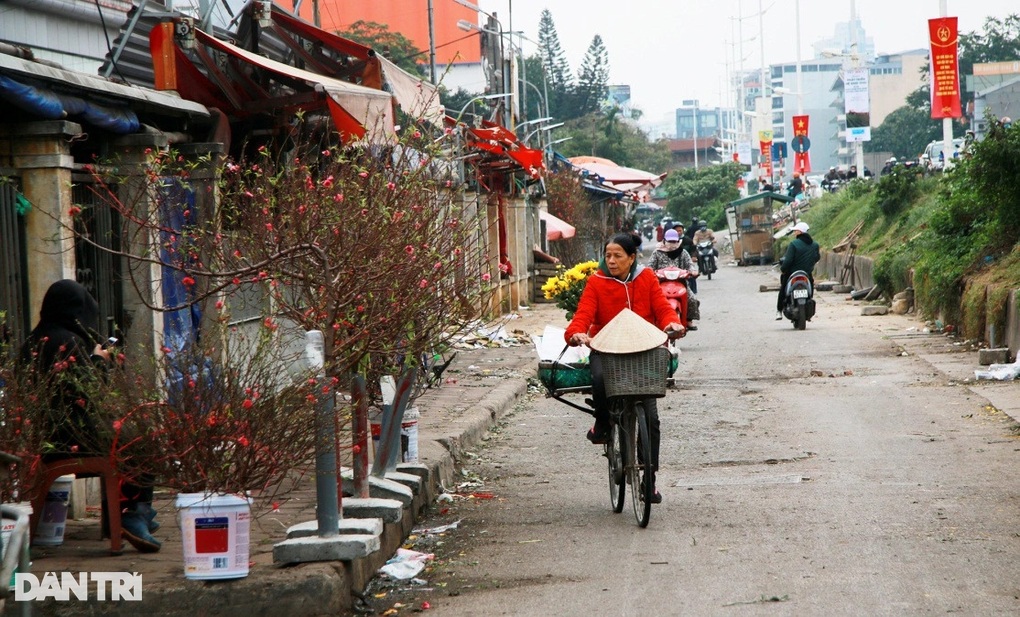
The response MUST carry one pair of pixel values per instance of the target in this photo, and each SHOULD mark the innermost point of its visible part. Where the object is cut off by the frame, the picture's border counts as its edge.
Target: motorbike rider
(796, 186)
(618, 283)
(687, 244)
(802, 254)
(672, 253)
(705, 234)
(831, 177)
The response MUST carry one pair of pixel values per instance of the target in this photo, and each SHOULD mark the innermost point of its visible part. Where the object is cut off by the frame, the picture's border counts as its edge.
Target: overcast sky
(668, 50)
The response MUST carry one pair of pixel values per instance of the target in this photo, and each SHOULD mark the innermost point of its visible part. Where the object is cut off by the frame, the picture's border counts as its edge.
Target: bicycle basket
(636, 374)
(558, 375)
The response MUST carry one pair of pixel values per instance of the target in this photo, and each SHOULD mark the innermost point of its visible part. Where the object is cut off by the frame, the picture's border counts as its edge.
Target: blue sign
(778, 150)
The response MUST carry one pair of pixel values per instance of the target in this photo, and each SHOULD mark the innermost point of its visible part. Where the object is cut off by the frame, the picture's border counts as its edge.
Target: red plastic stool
(84, 468)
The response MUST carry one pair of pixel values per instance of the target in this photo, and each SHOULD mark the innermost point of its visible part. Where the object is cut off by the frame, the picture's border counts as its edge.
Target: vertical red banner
(945, 74)
(801, 158)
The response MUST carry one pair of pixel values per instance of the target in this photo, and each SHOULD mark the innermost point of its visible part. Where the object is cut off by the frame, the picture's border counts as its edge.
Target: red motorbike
(672, 281)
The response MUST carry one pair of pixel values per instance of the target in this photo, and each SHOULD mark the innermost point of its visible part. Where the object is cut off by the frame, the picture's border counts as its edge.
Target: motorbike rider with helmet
(673, 253)
(802, 254)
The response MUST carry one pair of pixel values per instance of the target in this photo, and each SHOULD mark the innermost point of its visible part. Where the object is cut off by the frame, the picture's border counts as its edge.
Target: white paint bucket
(215, 531)
(25, 507)
(53, 517)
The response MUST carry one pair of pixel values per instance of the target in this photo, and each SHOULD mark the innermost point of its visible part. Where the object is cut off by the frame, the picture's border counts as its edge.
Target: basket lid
(628, 332)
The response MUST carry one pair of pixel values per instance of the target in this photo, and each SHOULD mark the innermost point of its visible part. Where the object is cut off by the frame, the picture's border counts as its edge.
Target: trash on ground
(406, 564)
(438, 530)
(1001, 372)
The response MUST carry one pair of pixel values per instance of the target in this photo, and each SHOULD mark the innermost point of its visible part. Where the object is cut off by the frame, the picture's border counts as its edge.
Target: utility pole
(947, 123)
(432, 45)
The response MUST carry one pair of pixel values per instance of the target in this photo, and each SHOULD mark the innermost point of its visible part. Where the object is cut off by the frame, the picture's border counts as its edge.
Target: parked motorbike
(671, 280)
(706, 258)
(800, 302)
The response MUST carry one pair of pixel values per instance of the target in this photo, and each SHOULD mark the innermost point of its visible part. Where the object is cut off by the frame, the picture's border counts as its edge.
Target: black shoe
(598, 435)
(656, 497)
(692, 327)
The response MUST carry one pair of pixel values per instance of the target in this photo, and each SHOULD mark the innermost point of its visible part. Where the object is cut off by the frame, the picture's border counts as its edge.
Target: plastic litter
(406, 564)
(1001, 372)
(438, 530)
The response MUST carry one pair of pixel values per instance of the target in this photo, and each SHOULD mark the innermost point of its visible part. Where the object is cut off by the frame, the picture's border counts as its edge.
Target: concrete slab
(409, 480)
(422, 471)
(999, 355)
(338, 548)
(389, 510)
(348, 526)
(874, 310)
(381, 488)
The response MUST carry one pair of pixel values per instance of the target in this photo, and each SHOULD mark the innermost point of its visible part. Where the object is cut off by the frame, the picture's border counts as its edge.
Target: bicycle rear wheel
(615, 450)
(640, 467)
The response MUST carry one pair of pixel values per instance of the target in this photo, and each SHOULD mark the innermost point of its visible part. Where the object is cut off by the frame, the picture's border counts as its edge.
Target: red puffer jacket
(605, 296)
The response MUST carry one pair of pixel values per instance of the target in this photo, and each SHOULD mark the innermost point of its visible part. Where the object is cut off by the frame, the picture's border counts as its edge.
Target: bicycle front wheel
(640, 465)
(615, 453)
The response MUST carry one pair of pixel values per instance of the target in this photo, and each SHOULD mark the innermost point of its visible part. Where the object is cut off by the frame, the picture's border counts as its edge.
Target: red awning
(356, 110)
(493, 138)
(371, 109)
(555, 228)
(416, 96)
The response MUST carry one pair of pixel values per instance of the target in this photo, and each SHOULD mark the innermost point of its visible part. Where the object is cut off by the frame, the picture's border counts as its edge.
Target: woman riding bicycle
(619, 283)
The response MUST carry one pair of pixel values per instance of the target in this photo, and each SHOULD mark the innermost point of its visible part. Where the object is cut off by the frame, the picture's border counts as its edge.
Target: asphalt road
(803, 473)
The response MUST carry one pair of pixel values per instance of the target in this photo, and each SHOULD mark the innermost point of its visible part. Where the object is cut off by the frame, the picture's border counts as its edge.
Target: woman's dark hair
(626, 241)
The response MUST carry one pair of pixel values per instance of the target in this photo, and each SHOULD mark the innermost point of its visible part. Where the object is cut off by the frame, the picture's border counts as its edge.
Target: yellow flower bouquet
(567, 285)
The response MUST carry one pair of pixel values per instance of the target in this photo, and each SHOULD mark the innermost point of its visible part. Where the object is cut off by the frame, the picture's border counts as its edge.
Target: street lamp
(543, 128)
(505, 84)
(481, 97)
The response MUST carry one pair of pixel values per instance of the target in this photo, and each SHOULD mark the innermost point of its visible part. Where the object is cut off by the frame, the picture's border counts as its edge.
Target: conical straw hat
(628, 332)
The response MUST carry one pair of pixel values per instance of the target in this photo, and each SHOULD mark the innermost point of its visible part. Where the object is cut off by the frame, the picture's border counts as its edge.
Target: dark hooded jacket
(802, 254)
(60, 350)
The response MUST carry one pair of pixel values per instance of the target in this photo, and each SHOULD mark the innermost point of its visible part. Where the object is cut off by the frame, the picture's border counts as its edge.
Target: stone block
(842, 289)
(347, 526)
(410, 480)
(337, 548)
(874, 309)
(381, 488)
(389, 510)
(999, 355)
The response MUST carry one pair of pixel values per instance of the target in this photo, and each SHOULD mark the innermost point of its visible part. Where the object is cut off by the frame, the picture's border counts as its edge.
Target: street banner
(857, 104)
(801, 158)
(744, 153)
(765, 156)
(945, 74)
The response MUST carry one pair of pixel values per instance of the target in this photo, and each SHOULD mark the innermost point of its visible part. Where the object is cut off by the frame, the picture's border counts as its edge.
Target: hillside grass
(955, 274)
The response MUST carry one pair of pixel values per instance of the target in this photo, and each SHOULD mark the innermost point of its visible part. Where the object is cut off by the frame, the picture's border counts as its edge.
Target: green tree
(610, 136)
(391, 45)
(702, 192)
(593, 78)
(557, 72)
(455, 101)
(905, 132)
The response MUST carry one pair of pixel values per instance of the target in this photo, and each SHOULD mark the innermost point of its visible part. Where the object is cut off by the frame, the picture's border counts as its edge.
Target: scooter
(800, 302)
(671, 280)
(706, 258)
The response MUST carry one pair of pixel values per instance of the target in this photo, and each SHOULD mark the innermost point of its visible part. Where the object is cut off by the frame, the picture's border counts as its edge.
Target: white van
(932, 157)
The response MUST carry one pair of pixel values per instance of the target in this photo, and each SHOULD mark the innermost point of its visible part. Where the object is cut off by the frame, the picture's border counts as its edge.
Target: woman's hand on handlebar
(580, 339)
(675, 330)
